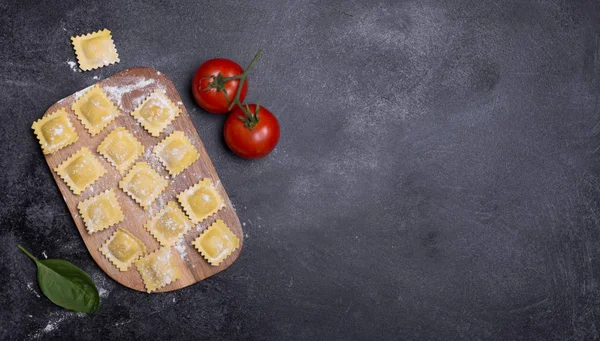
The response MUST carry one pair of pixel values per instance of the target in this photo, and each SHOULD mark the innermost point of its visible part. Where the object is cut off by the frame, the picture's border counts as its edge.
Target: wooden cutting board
(126, 90)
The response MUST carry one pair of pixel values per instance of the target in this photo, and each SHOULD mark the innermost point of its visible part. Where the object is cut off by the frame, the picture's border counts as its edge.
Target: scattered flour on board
(116, 93)
(160, 203)
(180, 247)
(201, 226)
(137, 101)
(73, 65)
(147, 153)
(154, 161)
(81, 92)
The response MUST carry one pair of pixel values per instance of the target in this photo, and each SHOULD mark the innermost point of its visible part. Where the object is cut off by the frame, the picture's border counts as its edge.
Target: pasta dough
(95, 50)
(101, 211)
(122, 249)
(95, 110)
(216, 243)
(156, 113)
(169, 225)
(143, 184)
(55, 131)
(80, 170)
(158, 269)
(200, 201)
(124, 182)
(121, 149)
(176, 152)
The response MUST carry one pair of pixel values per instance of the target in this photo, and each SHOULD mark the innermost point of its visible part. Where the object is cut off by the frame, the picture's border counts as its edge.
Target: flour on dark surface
(436, 177)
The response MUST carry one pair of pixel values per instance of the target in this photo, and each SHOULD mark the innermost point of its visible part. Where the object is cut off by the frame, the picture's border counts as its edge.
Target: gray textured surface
(437, 176)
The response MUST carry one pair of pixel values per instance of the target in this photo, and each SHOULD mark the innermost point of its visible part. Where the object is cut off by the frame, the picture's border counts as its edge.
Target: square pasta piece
(95, 50)
(169, 225)
(216, 243)
(200, 201)
(101, 211)
(143, 184)
(55, 131)
(158, 269)
(95, 110)
(156, 113)
(122, 249)
(121, 149)
(176, 152)
(80, 170)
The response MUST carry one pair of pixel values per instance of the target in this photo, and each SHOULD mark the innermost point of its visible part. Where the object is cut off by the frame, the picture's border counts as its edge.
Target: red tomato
(214, 100)
(255, 142)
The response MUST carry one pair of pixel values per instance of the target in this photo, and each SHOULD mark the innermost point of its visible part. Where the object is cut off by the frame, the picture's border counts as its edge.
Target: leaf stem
(27, 253)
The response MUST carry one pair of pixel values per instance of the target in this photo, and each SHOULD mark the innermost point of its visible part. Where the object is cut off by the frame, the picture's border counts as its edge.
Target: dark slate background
(438, 176)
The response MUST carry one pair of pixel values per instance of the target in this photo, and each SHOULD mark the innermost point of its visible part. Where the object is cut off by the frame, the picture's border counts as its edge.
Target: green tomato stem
(242, 78)
(218, 82)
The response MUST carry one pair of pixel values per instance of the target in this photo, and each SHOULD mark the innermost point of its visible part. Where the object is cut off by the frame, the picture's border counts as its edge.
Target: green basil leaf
(66, 285)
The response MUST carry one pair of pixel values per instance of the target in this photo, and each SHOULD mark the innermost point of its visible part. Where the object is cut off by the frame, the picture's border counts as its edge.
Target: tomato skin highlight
(212, 100)
(252, 143)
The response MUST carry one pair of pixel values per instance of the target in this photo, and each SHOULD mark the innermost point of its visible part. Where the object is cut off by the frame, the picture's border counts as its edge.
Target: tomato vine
(218, 82)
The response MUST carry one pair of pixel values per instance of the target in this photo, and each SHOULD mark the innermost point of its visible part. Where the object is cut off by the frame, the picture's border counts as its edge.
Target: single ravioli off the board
(95, 50)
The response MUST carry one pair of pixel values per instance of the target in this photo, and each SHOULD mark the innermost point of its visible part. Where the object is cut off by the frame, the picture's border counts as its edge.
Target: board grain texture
(127, 89)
